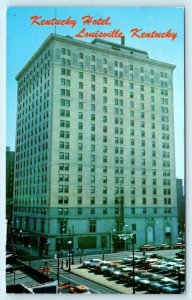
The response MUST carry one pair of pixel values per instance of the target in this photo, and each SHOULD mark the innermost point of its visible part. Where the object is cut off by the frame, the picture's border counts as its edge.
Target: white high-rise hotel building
(95, 149)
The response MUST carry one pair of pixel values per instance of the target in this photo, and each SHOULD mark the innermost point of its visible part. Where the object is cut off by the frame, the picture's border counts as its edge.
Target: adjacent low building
(95, 152)
(10, 160)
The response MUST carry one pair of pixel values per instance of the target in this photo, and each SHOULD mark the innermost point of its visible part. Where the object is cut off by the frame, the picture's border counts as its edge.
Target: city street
(96, 283)
(73, 279)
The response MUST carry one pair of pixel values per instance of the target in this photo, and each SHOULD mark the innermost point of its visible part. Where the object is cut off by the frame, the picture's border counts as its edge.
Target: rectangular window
(80, 55)
(60, 211)
(131, 67)
(79, 200)
(79, 211)
(92, 226)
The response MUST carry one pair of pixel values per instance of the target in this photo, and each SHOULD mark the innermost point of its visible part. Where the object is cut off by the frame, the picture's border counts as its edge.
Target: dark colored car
(11, 248)
(180, 254)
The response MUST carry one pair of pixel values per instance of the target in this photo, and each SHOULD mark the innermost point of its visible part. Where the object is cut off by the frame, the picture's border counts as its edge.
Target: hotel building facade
(95, 152)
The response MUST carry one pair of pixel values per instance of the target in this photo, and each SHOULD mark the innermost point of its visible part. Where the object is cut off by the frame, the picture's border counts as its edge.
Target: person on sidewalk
(67, 263)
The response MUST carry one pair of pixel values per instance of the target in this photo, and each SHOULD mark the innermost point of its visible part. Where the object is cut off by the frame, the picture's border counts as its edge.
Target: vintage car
(79, 289)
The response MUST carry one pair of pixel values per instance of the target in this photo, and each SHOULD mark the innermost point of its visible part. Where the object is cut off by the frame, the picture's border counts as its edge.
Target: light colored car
(92, 262)
(104, 263)
(115, 269)
(106, 269)
(147, 248)
(164, 247)
(151, 279)
(156, 266)
(97, 267)
(144, 275)
(117, 273)
(178, 260)
(130, 258)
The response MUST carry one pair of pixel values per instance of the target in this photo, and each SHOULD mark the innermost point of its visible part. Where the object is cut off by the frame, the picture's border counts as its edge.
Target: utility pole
(133, 254)
(179, 280)
(58, 256)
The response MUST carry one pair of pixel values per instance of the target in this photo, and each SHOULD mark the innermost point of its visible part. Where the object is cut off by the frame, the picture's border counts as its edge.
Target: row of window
(117, 211)
(35, 68)
(117, 140)
(117, 64)
(65, 177)
(117, 73)
(118, 189)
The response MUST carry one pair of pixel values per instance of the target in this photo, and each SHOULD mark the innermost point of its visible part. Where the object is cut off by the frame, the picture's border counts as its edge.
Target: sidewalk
(102, 280)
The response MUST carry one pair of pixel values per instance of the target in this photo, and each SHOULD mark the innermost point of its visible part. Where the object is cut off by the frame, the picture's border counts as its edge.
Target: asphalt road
(94, 288)
(74, 280)
(120, 255)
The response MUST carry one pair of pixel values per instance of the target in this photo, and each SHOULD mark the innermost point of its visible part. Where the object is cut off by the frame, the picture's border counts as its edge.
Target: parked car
(117, 274)
(106, 270)
(147, 248)
(155, 287)
(144, 275)
(9, 268)
(116, 269)
(127, 276)
(79, 289)
(158, 286)
(153, 255)
(149, 262)
(144, 283)
(91, 263)
(180, 254)
(98, 267)
(178, 260)
(157, 265)
(164, 247)
(11, 248)
(179, 246)
(173, 288)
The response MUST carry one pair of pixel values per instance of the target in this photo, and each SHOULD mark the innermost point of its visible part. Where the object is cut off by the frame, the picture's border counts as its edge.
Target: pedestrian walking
(67, 263)
(143, 252)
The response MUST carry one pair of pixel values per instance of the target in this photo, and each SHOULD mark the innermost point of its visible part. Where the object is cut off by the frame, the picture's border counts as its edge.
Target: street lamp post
(69, 243)
(179, 280)
(58, 256)
(112, 231)
(133, 255)
(71, 234)
(29, 246)
(103, 247)
(124, 237)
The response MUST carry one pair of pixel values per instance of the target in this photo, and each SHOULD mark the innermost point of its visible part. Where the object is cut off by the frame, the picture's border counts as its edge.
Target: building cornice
(92, 46)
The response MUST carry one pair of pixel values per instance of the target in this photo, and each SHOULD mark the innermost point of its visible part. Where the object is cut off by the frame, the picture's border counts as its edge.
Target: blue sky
(23, 40)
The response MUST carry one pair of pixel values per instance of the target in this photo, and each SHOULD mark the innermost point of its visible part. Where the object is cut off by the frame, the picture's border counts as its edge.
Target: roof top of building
(96, 43)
